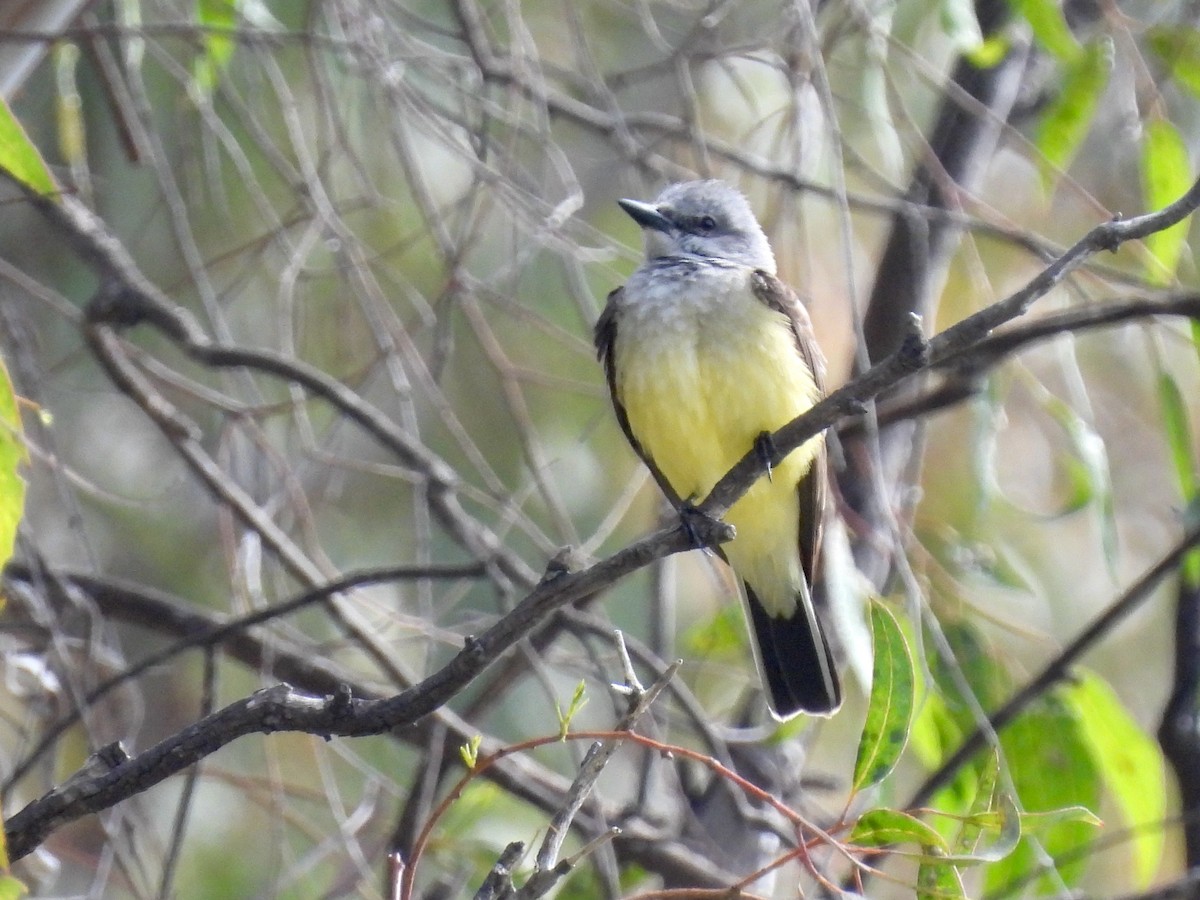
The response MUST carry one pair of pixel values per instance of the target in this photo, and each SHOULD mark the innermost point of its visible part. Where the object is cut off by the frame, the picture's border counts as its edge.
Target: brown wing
(605, 337)
(814, 486)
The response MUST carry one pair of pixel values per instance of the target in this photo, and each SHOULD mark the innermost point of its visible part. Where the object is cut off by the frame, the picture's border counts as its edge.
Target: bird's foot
(702, 530)
(764, 449)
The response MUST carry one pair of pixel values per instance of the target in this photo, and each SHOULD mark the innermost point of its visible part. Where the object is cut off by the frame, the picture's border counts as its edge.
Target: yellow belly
(697, 395)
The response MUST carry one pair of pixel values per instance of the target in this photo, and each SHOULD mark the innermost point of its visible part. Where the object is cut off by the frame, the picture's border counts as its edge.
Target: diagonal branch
(914, 355)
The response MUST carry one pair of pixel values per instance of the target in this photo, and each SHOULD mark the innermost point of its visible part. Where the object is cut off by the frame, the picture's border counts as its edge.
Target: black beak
(645, 215)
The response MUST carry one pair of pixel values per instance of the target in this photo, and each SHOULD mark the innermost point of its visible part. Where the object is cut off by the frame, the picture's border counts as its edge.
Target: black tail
(797, 665)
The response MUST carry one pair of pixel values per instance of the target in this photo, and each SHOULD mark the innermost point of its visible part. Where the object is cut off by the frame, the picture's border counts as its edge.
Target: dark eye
(707, 223)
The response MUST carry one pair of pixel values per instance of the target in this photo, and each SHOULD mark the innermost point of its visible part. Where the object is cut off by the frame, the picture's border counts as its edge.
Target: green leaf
(68, 107)
(470, 751)
(1035, 822)
(219, 18)
(938, 880)
(943, 720)
(935, 731)
(724, 634)
(1086, 470)
(578, 700)
(1179, 48)
(1166, 176)
(1179, 441)
(887, 827)
(19, 158)
(890, 711)
(1130, 764)
(994, 814)
(12, 457)
(1066, 122)
(1050, 28)
(1178, 432)
(1053, 768)
(1002, 820)
(1008, 834)
(990, 52)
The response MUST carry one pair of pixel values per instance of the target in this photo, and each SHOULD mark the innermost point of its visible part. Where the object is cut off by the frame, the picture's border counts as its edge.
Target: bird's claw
(764, 448)
(702, 530)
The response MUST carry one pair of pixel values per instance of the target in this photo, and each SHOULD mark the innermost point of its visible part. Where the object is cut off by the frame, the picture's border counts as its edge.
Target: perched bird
(707, 353)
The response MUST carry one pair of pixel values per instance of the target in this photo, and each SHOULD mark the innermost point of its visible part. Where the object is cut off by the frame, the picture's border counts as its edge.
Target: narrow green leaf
(578, 701)
(982, 816)
(1179, 48)
(1034, 822)
(1086, 470)
(1050, 28)
(1003, 820)
(12, 457)
(935, 732)
(68, 107)
(19, 158)
(888, 827)
(1178, 432)
(890, 711)
(470, 751)
(1052, 767)
(1166, 176)
(990, 52)
(218, 18)
(1067, 120)
(939, 880)
(1129, 763)
(1010, 831)
(724, 634)
(1080, 484)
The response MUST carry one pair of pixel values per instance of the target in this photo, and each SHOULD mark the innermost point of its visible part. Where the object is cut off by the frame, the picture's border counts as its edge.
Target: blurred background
(418, 199)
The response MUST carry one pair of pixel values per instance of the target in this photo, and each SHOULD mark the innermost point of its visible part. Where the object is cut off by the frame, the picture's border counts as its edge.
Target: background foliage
(417, 200)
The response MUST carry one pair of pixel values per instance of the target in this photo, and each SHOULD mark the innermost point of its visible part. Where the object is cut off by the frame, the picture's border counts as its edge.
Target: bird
(706, 353)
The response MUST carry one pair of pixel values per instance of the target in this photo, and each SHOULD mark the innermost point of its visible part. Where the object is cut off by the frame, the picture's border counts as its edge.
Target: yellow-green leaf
(68, 107)
(1066, 122)
(939, 880)
(19, 158)
(990, 52)
(890, 711)
(1050, 28)
(218, 18)
(1053, 767)
(722, 635)
(1086, 470)
(1178, 432)
(1166, 176)
(888, 827)
(470, 751)
(578, 699)
(1130, 765)
(12, 457)
(1179, 48)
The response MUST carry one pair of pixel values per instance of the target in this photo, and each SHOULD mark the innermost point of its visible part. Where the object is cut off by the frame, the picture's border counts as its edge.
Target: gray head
(707, 219)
